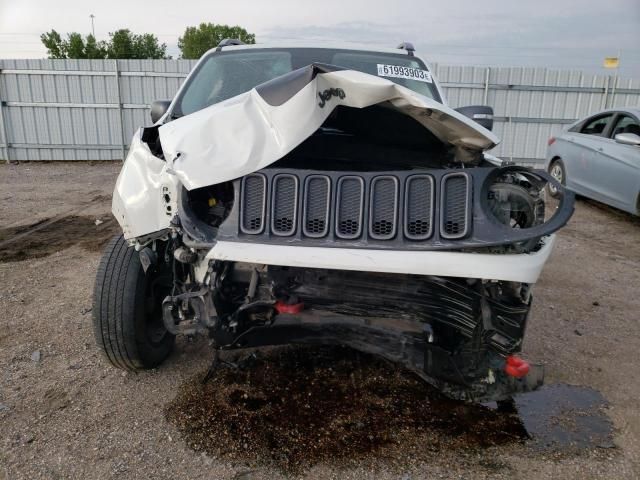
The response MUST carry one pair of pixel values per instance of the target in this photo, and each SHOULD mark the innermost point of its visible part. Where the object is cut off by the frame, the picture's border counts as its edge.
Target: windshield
(226, 74)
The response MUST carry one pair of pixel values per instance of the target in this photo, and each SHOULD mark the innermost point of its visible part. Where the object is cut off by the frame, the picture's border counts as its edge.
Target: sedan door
(584, 146)
(617, 166)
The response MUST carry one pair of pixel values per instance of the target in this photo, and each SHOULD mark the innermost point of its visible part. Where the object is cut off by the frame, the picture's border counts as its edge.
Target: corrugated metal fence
(89, 109)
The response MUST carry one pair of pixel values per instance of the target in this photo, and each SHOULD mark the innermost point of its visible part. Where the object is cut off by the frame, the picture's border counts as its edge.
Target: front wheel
(127, 308)
(558, 172)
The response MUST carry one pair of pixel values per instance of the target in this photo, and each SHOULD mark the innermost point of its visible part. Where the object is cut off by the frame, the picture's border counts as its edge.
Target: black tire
(557, 166)
(127, 309)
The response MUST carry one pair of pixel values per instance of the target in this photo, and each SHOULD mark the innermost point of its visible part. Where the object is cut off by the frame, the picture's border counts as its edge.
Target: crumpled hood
(255, 129)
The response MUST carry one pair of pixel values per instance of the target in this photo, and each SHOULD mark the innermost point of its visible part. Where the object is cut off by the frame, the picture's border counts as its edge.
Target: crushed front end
(381, 227)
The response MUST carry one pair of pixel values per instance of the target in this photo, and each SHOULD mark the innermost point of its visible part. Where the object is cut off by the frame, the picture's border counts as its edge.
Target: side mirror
(628, 139)
(158, 109)
(481, 114)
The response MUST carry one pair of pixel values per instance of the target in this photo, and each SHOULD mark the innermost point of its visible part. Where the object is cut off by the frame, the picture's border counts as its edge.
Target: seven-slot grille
(350, 206)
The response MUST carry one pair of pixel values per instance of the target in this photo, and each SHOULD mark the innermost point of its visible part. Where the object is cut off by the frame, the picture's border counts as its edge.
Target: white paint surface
(510, 267)
(243, 134)
(139, 202)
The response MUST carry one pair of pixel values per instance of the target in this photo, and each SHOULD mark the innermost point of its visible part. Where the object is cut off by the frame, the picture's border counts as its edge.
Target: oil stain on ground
(565, 418)
(294, 407)
(52, 235)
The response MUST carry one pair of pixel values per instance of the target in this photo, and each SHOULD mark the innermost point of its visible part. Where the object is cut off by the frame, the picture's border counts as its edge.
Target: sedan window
(597, 125)
(626, 124)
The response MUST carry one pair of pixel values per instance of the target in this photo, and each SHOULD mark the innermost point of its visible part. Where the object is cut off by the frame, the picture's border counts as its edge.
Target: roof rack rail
(227, 42)
(408, 46)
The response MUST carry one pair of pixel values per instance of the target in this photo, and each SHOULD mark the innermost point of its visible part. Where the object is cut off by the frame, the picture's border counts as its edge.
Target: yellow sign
(611, 62)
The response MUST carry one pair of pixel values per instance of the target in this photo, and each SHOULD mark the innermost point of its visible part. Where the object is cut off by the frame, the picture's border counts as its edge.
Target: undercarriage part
(457, 334)
(190, 308)
(147, 258)
(190, 312)
(185, 255)
(496, 312)
(516, 367)
(217, 363)
(283, 307)
(476, 378)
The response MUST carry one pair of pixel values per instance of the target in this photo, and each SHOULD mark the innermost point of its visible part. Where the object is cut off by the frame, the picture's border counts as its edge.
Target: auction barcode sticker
(408, 73)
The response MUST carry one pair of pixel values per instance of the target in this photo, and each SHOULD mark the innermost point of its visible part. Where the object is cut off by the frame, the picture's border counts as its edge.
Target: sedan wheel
(556, 170)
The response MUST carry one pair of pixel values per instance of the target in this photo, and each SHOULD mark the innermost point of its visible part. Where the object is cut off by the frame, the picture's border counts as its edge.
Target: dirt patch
(55, 399)
(54, 234)
(295, 407)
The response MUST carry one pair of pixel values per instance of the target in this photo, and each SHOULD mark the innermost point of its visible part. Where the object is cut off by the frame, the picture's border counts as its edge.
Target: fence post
(612, 103)
(3, 124)
(576, 113)
(511, 139)
(485, 97)
(123, 139)
(606, 93)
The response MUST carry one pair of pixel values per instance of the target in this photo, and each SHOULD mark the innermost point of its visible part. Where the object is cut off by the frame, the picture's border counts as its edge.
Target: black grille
(284, 204)
(393, 207)
(455, 206)
(350, 201)
(316, 206)
(383, 211)
(418, 207)
(253, 203)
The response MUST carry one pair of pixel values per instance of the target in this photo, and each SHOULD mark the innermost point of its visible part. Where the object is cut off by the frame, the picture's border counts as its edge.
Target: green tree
(93, 49)
(122, 44)
(147, 46)
(56, 47)
(197, 40)
(125, 44)
(75, 46)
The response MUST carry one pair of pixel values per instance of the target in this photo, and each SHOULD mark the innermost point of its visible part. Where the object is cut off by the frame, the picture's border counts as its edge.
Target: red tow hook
(516, 367)
(282, 307)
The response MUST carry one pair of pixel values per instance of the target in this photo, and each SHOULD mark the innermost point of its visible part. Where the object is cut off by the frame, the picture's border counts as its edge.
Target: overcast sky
(559, 33)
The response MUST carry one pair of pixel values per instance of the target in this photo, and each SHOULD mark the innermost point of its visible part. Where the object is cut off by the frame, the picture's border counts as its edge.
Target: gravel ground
(65, 413)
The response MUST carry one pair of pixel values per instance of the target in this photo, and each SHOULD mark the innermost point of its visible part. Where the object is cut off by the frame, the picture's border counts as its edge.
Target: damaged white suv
(326, 195)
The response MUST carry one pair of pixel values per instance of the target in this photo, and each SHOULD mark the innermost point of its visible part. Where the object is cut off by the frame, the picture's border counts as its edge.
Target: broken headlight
(515, 204)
